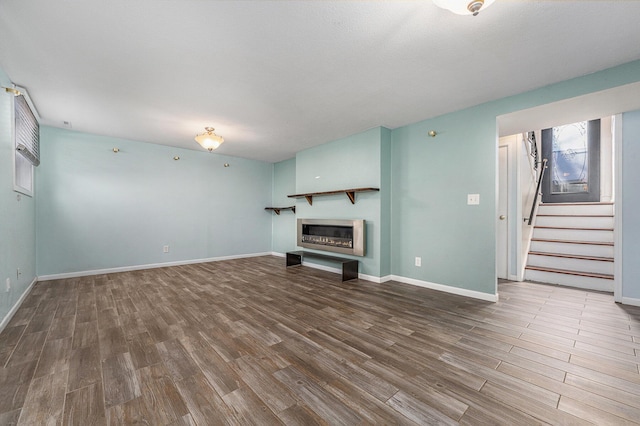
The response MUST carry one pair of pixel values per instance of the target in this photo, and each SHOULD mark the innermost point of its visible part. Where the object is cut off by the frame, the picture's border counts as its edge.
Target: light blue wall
(284, 226)
(351, 162)
(431, 178)
(98, 210)
(17, 217)
(631, 205)
(385, 202)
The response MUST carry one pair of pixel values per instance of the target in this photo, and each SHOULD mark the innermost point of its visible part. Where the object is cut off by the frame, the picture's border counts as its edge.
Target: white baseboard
(630, 301)
(433, 286)
(149, 266)
(374, 279)
(16, 306)
(447, 289)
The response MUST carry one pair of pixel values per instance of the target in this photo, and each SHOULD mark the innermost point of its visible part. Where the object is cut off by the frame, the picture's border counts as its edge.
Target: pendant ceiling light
(464, 7)
(209, 140)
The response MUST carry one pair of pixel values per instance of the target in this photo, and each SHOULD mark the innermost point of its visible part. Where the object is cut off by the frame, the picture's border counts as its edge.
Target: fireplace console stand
(349, 266)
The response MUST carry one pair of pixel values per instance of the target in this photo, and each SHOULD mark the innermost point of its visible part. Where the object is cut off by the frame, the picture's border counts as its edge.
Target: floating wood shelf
(277, 210)
(351, 193)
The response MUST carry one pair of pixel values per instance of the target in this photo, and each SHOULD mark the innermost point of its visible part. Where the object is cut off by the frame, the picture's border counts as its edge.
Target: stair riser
(577, 249)
(597, 209)
(573, 235)
(570, 280)
(575, 222)
(580, 265)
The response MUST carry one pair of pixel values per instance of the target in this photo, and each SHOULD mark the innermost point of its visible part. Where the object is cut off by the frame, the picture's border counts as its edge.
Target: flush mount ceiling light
(464, 7)
(209, 140)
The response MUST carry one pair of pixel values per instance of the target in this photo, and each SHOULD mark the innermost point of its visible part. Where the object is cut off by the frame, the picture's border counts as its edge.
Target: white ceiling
(276, 77)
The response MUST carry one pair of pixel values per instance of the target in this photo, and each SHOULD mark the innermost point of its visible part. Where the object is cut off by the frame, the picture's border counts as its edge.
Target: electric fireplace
(340, 236)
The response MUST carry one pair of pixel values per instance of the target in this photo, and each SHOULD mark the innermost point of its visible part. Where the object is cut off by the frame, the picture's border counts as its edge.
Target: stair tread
(593, 243)
(572, 215)
(571, 228)
(572, 256)
(568, 272)
(597, 203)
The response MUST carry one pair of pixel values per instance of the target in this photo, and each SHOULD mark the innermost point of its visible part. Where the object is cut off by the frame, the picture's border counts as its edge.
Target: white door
(503, 206)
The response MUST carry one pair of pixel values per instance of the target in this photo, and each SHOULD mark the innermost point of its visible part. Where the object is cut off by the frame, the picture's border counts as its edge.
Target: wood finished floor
(249, 342)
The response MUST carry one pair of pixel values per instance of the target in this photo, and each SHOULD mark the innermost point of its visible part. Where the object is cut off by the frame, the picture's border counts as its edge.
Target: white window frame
(22, 162)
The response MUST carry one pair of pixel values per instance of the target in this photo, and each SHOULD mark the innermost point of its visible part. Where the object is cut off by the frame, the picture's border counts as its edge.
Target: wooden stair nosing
(573, 229)
(572, 256)
(567, 272)
(574, 215)
(597, 203)
(592, 243)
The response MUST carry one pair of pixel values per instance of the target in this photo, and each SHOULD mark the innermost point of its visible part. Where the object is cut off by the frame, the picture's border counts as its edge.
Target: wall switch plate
(418, 261)
(8, 284)
(473, 199)
(165, 249)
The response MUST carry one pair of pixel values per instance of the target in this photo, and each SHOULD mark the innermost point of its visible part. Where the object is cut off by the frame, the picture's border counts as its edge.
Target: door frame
(593, 193)
(513, 143)
(617, 200)
(507, 248)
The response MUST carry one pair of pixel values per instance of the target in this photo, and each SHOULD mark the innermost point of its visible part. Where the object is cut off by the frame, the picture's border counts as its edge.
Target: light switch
(473, 199)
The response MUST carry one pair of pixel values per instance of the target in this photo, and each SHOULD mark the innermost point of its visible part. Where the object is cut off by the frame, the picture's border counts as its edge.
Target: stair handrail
(534, 209)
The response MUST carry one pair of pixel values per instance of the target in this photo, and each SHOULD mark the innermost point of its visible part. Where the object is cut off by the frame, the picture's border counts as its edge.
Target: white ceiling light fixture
(209, 140)
(464, 7)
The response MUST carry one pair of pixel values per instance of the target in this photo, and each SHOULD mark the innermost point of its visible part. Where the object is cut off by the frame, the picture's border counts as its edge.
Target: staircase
(572, 245)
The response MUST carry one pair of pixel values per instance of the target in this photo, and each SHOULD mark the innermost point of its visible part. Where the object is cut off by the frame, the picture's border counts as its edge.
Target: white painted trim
(630, 301)
(517, 163)
(496, 206)
(617, 216)
(148, 266)
(16, 306)
(277, 254)
(508, 248)
(447, 289)
(374, 279)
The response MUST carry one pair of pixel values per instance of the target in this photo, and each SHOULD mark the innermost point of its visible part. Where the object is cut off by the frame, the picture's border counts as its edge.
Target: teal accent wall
(351, 162)
(284, 226)
(99, 210)
(431, 178)
(630, 205)
(385, 202)
(17, 217)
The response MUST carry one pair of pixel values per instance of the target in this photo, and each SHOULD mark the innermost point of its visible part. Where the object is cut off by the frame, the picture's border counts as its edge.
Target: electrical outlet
(165, 249)
(8, 284)
(418, 261)
(473, 199)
